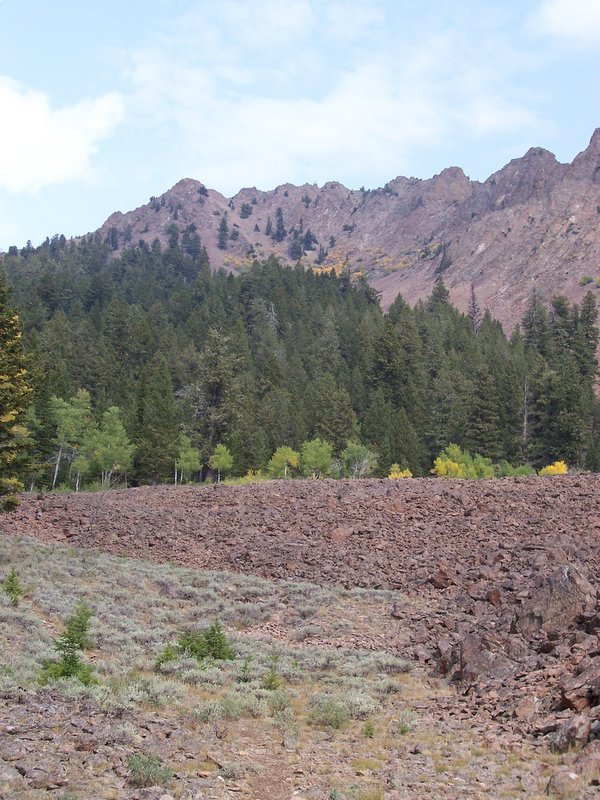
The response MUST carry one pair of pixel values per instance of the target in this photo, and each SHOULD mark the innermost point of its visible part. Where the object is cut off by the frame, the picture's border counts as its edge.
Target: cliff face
(534, 223)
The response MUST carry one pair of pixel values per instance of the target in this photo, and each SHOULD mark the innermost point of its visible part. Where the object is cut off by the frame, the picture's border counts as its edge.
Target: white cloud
(328, 110)
(41, 145)
(576, 20)
(368, 121)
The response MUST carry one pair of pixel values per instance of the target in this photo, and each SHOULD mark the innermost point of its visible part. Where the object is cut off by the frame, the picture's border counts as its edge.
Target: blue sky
(105, 103)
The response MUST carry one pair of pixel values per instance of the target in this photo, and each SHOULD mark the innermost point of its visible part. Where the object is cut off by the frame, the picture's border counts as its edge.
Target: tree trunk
(57, 467)
(525, 415)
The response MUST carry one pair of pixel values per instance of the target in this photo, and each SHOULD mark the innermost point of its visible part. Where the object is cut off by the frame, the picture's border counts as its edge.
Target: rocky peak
(587, 163)
(531, 223)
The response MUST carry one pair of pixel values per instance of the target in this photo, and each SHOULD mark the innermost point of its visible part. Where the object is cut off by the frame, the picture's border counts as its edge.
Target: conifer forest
(150, 368)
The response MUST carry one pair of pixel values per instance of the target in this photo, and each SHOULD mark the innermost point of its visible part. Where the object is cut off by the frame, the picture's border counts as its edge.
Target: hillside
(531, 224)
(487, 590)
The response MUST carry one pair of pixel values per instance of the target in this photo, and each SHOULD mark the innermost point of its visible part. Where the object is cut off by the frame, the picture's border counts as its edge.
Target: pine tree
(473, 310)
(158, 425)
(280, 231)
(223, 233)
(535, 325)
(330, 410)
(15, 397)
(482, 433)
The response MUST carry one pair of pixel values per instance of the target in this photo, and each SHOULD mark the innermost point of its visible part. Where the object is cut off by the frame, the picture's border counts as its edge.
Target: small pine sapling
(217, 643)
(210, 643)
(12, 587)
(69, 645)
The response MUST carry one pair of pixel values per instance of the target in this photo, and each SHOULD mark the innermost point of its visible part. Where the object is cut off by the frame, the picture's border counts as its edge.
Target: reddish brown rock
(573, 733)
(564, 783)
(583, 690)
(588, 762)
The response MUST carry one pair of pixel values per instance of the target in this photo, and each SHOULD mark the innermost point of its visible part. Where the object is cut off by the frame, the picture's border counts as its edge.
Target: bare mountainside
(531, 224)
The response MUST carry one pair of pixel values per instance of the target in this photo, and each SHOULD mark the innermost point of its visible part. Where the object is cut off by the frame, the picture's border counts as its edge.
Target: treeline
(172, 357)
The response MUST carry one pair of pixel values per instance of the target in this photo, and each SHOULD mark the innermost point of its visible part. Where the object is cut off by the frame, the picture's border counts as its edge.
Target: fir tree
(223, 233)
(158, 425)
(15, 397)
(280, 231)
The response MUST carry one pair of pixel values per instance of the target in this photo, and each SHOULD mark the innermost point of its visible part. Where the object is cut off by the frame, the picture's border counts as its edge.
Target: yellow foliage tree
(395, 472)
(558, 468)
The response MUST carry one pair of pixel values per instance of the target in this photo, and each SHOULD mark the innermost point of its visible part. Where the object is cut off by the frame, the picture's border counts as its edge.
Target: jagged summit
(532, 223)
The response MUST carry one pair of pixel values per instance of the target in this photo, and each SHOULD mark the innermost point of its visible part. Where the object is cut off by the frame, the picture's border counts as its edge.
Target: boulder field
(494, 583)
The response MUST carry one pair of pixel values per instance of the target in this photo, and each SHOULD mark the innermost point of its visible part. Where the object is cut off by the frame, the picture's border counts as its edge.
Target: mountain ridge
(531, 224)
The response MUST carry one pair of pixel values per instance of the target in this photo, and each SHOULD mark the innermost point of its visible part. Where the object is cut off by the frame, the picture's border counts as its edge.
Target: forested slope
(279, 355)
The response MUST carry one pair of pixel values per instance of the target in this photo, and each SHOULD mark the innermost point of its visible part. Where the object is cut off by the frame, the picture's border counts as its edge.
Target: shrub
(211, 643)
(395, 472)
(558, 468)
(368, 730)
(357, 460)
(12, 587)
(10, 503)
(585, 279)
(454, 462)
(329, 713)
(147, 770)
(506, 470)
(359, 705)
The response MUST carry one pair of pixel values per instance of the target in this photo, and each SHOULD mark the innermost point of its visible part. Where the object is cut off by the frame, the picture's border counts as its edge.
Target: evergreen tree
(15, 397)
(473, 310)
(223, 233)
(157, 432)
(535, 325)
(439, 297)
(280, 231)
(331, 413)
(482, 433)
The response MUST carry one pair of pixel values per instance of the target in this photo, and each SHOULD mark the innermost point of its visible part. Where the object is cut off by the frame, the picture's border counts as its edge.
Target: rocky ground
(489, 588)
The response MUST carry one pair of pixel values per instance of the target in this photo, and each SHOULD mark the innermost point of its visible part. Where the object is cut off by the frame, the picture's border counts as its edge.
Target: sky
(104, 103)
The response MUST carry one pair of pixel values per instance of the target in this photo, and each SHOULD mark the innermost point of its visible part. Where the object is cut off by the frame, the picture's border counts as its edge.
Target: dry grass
(326, 688)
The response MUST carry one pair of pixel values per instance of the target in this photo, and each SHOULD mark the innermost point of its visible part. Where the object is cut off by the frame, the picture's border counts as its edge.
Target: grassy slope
(308, 734)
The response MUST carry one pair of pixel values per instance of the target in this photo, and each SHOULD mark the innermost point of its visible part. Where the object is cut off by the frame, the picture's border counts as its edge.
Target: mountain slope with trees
(532, 223)
(145, 362)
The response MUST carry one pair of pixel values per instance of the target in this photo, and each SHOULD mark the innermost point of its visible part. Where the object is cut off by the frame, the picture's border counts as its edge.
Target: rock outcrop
(532, 224)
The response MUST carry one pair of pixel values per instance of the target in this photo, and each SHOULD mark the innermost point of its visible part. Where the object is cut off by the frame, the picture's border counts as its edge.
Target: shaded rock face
(574, 732)
(531, 224)
(582, 690)
(559, 601)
